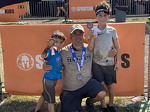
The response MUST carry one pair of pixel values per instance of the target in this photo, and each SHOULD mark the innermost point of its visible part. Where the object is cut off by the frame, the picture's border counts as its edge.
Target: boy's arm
(117, 47)
(44, 53)
(50, 43)
(91, 40)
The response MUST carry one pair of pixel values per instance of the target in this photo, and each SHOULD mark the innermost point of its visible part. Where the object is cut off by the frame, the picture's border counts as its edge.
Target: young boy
(104, 67)
(52, 54)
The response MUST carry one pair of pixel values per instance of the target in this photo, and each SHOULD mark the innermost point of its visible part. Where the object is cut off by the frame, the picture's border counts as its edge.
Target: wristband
(117, 62)
(94, 36)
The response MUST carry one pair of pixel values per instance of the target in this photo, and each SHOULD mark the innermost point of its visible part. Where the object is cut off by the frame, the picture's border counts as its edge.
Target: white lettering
(78, 8)
(2, 11)
(40, 62)
(88, 8)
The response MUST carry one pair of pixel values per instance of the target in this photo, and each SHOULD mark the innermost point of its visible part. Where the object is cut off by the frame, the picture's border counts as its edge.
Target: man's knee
(101, 95)
(102, 83)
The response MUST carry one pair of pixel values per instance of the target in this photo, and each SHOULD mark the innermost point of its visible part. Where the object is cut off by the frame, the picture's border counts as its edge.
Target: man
(77, 79)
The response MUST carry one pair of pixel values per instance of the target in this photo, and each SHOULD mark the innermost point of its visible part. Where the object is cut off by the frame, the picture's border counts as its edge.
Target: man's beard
(78, 43)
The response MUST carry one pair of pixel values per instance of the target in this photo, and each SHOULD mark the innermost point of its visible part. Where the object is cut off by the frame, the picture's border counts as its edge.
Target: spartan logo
(74, 9)
(25, 61)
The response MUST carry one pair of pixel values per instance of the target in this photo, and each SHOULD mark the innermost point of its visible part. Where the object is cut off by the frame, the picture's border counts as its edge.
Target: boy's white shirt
(103, 44)
(96, 29)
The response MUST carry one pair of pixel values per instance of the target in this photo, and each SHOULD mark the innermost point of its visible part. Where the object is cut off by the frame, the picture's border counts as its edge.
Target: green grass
(139, 19)
(18, 104)
(27, 104)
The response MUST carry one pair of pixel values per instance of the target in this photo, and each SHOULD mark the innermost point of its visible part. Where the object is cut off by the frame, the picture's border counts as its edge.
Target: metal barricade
(47, 9)
(43, 10)
(135, 7)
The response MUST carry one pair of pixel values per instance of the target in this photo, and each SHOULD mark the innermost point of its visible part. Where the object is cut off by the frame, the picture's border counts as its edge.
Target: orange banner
(82, 9)
(23, 44)
(9, 14)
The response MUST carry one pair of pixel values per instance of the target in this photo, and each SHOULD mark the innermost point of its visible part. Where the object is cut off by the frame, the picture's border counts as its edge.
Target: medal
(89, 25)
(82, 58)
(80, 76)
(51, 42)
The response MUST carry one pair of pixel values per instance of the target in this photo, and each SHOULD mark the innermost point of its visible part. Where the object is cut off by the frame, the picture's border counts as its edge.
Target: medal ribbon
(75, 58)
(52, 51)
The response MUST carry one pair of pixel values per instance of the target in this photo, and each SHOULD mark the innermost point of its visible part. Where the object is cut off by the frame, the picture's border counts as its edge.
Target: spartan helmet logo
(73, 9)
(25, 61)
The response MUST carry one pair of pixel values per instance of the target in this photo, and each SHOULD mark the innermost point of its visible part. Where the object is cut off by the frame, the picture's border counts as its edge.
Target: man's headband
(102, 11)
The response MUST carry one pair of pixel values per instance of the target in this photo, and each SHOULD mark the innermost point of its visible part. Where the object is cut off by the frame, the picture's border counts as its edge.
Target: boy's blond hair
(58, 34)
(103, 5)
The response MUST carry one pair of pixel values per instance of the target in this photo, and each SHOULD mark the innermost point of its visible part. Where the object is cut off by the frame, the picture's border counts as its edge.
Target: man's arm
(46, 67)
(112, 52)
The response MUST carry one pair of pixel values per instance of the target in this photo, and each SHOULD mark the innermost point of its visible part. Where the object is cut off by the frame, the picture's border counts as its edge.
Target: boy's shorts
(49, 90)
(104, 73)
(71, 100)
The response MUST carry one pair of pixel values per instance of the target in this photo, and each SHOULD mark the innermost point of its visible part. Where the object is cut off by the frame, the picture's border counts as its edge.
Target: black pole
(149, 7)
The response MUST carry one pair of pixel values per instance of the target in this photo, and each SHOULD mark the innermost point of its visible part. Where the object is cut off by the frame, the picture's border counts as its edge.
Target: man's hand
(47, 67)
(112, 52)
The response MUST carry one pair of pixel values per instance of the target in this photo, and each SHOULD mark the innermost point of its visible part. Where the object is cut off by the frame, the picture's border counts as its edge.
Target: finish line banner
(82, 9)
(22, 46)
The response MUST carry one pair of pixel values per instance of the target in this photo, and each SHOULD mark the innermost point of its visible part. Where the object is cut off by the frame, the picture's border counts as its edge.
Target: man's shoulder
(110, 28)
(86, 45)
(65, 49)
(68, 46)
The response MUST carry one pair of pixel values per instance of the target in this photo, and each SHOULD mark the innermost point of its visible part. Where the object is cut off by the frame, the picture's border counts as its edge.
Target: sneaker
(112, 108)
(36, 111)
(91, 107)
(104, 110)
